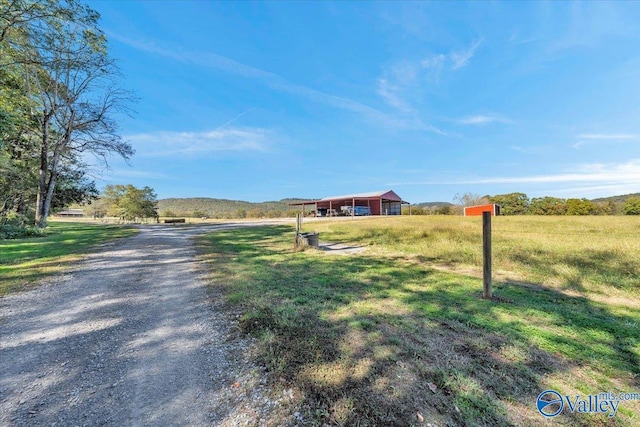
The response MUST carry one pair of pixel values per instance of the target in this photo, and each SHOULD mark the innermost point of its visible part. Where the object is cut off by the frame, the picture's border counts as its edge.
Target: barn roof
(384, 195)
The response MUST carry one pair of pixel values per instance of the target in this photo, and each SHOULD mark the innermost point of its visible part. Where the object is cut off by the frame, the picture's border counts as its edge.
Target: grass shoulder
(381, 338)
(24, 262)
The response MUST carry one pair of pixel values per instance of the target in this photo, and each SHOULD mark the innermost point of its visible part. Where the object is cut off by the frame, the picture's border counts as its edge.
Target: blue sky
(267, 100)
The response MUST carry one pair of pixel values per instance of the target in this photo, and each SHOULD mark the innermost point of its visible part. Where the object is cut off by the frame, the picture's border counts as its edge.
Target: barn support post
(486, 256)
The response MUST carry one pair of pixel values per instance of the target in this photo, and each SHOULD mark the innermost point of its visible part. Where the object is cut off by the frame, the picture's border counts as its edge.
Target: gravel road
(130, 337)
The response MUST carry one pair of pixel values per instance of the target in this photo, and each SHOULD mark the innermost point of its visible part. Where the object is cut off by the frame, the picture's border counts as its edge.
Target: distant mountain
(616, 199)
(433, 204)
(222, 208)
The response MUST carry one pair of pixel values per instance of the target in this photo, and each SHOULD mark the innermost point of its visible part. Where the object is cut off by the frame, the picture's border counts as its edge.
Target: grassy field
(25, 261)
(398, 335)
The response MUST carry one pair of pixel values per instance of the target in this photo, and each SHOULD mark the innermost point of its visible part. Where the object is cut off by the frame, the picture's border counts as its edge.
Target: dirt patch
(335, 248)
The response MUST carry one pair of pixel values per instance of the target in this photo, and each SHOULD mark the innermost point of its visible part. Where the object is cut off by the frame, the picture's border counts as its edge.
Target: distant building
(376, 203)
(477, 210)
(70, 213)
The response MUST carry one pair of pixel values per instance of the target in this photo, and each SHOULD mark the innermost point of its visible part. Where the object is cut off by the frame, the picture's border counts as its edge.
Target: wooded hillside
(222, 208)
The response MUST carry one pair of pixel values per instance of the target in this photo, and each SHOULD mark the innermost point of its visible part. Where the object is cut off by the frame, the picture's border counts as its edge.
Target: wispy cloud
(461, 59)
(525, 150)
(455, 59)
(482, 119)
(168, 143)
(272, 80)
(392, 95)
(600, 138)
(614, 136)
(627, 173)
(402, 80)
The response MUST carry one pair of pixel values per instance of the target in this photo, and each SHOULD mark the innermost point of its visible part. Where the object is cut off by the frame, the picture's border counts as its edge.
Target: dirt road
(130, 337)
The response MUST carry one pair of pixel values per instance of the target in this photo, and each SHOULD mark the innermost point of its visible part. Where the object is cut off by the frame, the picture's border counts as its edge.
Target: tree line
(59, 101)
(520, 204)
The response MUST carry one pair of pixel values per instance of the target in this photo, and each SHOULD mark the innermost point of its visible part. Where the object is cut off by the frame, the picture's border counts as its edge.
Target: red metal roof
(384, 195)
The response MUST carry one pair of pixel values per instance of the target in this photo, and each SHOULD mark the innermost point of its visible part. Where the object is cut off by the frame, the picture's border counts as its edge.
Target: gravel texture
(130, 337)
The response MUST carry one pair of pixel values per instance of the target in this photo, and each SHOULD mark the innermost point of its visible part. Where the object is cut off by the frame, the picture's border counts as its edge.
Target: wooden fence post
(486, 255)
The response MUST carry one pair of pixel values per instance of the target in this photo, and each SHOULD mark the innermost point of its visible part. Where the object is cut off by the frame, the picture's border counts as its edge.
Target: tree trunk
(41, 219)
(45, 193)
(51, 185)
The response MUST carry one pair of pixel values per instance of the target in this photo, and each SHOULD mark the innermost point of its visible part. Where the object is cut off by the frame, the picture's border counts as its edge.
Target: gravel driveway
(130, 337)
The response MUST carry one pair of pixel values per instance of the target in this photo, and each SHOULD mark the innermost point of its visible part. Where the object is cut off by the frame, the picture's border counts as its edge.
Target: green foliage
(631, 206)
(15, 226)
(57, 93)
(72, 187)
(512, 203)
(581, 207)
(415, 210)
(130, 203)
(548, 206)
(444, 210)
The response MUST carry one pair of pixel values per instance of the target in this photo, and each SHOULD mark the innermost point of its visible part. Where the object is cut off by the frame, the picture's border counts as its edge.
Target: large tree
(548, 206)
(631, 206)
(130, 203)
(512, 203)
(71, 83)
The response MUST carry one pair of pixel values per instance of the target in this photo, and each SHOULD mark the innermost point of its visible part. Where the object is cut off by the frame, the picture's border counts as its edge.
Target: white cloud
(169, 143)
(481, 119)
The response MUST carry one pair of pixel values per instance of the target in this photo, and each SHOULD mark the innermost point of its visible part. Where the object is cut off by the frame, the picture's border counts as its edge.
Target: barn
(70, 213)
(477, 210)
(376, 203)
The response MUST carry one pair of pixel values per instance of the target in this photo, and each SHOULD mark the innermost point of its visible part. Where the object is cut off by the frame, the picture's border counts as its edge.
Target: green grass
(365, 338)
(23, 262)
(595, 254)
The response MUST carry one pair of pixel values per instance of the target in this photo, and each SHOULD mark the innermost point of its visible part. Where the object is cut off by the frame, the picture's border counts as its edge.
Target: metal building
(376, 203)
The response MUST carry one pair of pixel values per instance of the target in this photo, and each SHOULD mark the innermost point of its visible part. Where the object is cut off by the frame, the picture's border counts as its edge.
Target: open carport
(376, 203)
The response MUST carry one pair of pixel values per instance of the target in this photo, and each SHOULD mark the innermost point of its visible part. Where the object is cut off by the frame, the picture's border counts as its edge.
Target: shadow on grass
(380, 341)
